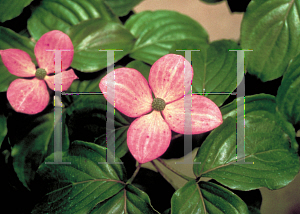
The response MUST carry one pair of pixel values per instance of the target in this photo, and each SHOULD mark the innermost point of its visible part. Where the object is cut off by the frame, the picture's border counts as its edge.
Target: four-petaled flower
(149, 135)
(30, 95)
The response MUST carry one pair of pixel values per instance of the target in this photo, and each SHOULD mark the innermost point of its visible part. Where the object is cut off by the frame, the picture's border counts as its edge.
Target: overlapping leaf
(157, 32)
(206, 197)
(10, 39)
(62, 14)
(288, 95)
(215, 68)
(11, 9)
(272, 30)
(120, 139)
(30, 142)
(82, 184)
(87, 116)
(143, 68)
(131, 200)
(267, 144)
(121, 7)
(93, 35)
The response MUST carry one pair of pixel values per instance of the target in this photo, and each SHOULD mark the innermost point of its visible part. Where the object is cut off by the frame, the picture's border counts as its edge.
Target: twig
(134, 174)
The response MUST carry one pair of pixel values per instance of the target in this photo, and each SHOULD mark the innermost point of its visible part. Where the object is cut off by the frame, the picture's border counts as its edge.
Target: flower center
(158, 104)
(40, 73)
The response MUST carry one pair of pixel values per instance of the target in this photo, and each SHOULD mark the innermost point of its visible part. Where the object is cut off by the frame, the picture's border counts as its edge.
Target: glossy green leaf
(267, 144)
(62, 14)
(288, 95)
(30, 137)
(120, 139)
(10, 39)
(143, 68)
(93, 35)
(131, 200)
(206, 197)
(272, 30)
(261, 102)
(215, 69)
(121, 7)
(11, 9)
(81, 185)
(157, 32)
(3, 128)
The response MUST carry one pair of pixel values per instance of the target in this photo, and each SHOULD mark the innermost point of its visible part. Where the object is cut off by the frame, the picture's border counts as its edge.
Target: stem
(164, 176)
(176, 136)
(134, 174)
(173, 170)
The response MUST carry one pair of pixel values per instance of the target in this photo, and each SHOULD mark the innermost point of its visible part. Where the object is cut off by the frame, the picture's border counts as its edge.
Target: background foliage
(272, 113)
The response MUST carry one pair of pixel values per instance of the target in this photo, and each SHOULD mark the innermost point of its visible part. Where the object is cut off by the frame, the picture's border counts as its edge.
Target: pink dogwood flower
(149, 135)
(30, 95)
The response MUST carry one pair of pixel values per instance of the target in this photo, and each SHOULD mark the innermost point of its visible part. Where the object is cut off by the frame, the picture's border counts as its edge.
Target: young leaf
(81, 185)
(156, 33)
(266, 144)
(272, 30)
(206, 197)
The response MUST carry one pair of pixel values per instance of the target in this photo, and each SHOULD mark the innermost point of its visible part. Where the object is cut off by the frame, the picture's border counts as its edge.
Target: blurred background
(220, 23)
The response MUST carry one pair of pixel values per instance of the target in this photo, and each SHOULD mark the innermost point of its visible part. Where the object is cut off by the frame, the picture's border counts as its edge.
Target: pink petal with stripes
(18, 62)
(166, 77)
(148, 137)
(133, 96)
(67, 77)
(50, 41)
(28, 96)
(205, 115)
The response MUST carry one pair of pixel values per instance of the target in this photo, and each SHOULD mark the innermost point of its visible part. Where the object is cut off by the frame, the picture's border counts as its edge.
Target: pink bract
(30, 96)
(149, 136)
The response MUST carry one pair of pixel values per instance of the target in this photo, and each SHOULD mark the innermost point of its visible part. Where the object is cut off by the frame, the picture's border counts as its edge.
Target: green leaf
(62, 14)
(267, 144)
(212, 1)
(11, 9)
(259, 102)
(143, 68)
(215, 69)
(206, 197)
(31, 136)
(3, 128)
(10, 39)
(131, 200)
(120, 139)
(81, 185)
(252, 198)
(121, 7)
(272, 30)
(288, 95)
(157, 32)
(90, 36)
(87, 116)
